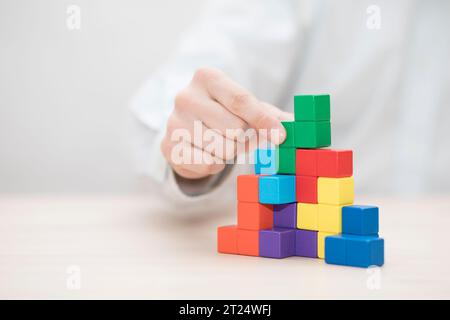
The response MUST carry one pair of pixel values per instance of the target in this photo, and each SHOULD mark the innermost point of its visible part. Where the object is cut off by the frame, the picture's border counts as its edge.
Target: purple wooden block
(285, 215)
(306, 243)
(277, 243)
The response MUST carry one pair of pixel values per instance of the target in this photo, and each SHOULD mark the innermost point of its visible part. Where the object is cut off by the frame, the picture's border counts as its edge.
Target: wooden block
(277, 243)
(306, 162)
(364, 251)
(307, 216)
(335, 252)
(285, 215)
(321, 243)
(289, 141)
(286, 160)
(306, 243)
(266, 161)
(247, 188)
(277, 189)
(360, 220)
(275, 161)
(255, 216)
(356, 251)
(336, 191)
(310, 134)
(335, 163)
(227, 239)
(306, 189)
(330, 218)
(248, 242)
(312, 107)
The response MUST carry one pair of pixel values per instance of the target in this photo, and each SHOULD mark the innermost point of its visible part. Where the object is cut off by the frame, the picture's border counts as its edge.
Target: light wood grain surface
(127, 247)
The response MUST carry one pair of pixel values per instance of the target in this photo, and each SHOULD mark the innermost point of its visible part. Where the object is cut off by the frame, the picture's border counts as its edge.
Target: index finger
(243, 104)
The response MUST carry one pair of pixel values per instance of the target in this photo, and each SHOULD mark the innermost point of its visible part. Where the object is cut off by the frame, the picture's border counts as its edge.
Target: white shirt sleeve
(252, 41)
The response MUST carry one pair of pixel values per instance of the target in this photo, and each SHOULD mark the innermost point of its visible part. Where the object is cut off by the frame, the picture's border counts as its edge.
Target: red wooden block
(335, 163)
(306, 162)
(227, 239)
(247, 188)
(306, 189)
(248, 242)
(254, 216)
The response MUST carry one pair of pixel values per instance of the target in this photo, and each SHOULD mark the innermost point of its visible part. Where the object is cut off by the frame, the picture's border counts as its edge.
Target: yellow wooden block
(330, 218)
(321, 243)
(307, 216)
(335, 191)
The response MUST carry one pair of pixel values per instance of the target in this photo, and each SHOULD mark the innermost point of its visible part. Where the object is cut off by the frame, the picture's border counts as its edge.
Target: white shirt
(389, 87)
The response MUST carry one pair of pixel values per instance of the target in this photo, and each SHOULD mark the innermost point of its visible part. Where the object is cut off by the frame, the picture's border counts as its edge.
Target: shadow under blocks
(300, 200)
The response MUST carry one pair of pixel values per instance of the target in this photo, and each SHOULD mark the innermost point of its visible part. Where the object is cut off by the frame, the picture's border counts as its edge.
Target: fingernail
(279, 135)
(282, 134)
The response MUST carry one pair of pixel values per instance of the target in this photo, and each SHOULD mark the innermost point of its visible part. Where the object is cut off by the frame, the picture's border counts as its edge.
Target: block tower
(299, 202)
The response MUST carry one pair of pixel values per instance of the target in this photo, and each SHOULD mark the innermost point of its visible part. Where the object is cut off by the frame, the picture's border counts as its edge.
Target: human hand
(216, 102)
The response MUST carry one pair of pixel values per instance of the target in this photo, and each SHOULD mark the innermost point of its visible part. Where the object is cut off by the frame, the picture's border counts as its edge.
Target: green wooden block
(312, 108)
(286, 160)
(289, 142)
(312, 134)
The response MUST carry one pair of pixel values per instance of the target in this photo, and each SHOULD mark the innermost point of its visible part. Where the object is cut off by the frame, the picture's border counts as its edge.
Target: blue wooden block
(277, 189)
(265, 161)
(364, 251)
(335, 250)
(360, 220)
(353, 250)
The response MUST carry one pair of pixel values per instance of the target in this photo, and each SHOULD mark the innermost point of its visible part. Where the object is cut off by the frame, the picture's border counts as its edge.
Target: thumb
(280, 115)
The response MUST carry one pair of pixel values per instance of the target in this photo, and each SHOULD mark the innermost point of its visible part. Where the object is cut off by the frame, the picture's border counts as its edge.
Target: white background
(64, 119)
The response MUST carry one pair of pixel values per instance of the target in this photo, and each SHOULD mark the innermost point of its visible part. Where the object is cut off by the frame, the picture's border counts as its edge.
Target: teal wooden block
(266, 161)
(275, 161)
(277, 189)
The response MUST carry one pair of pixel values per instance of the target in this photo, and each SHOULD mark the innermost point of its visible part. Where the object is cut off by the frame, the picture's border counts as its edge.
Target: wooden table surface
(127, 247)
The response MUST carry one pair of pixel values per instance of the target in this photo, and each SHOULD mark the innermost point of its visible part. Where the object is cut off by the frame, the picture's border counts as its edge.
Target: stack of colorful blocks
(299, 201)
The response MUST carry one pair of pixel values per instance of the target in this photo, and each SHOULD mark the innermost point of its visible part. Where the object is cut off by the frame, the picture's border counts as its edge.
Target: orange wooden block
(247, 188)
(248, 242)
(227, 239)
(255, 216)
